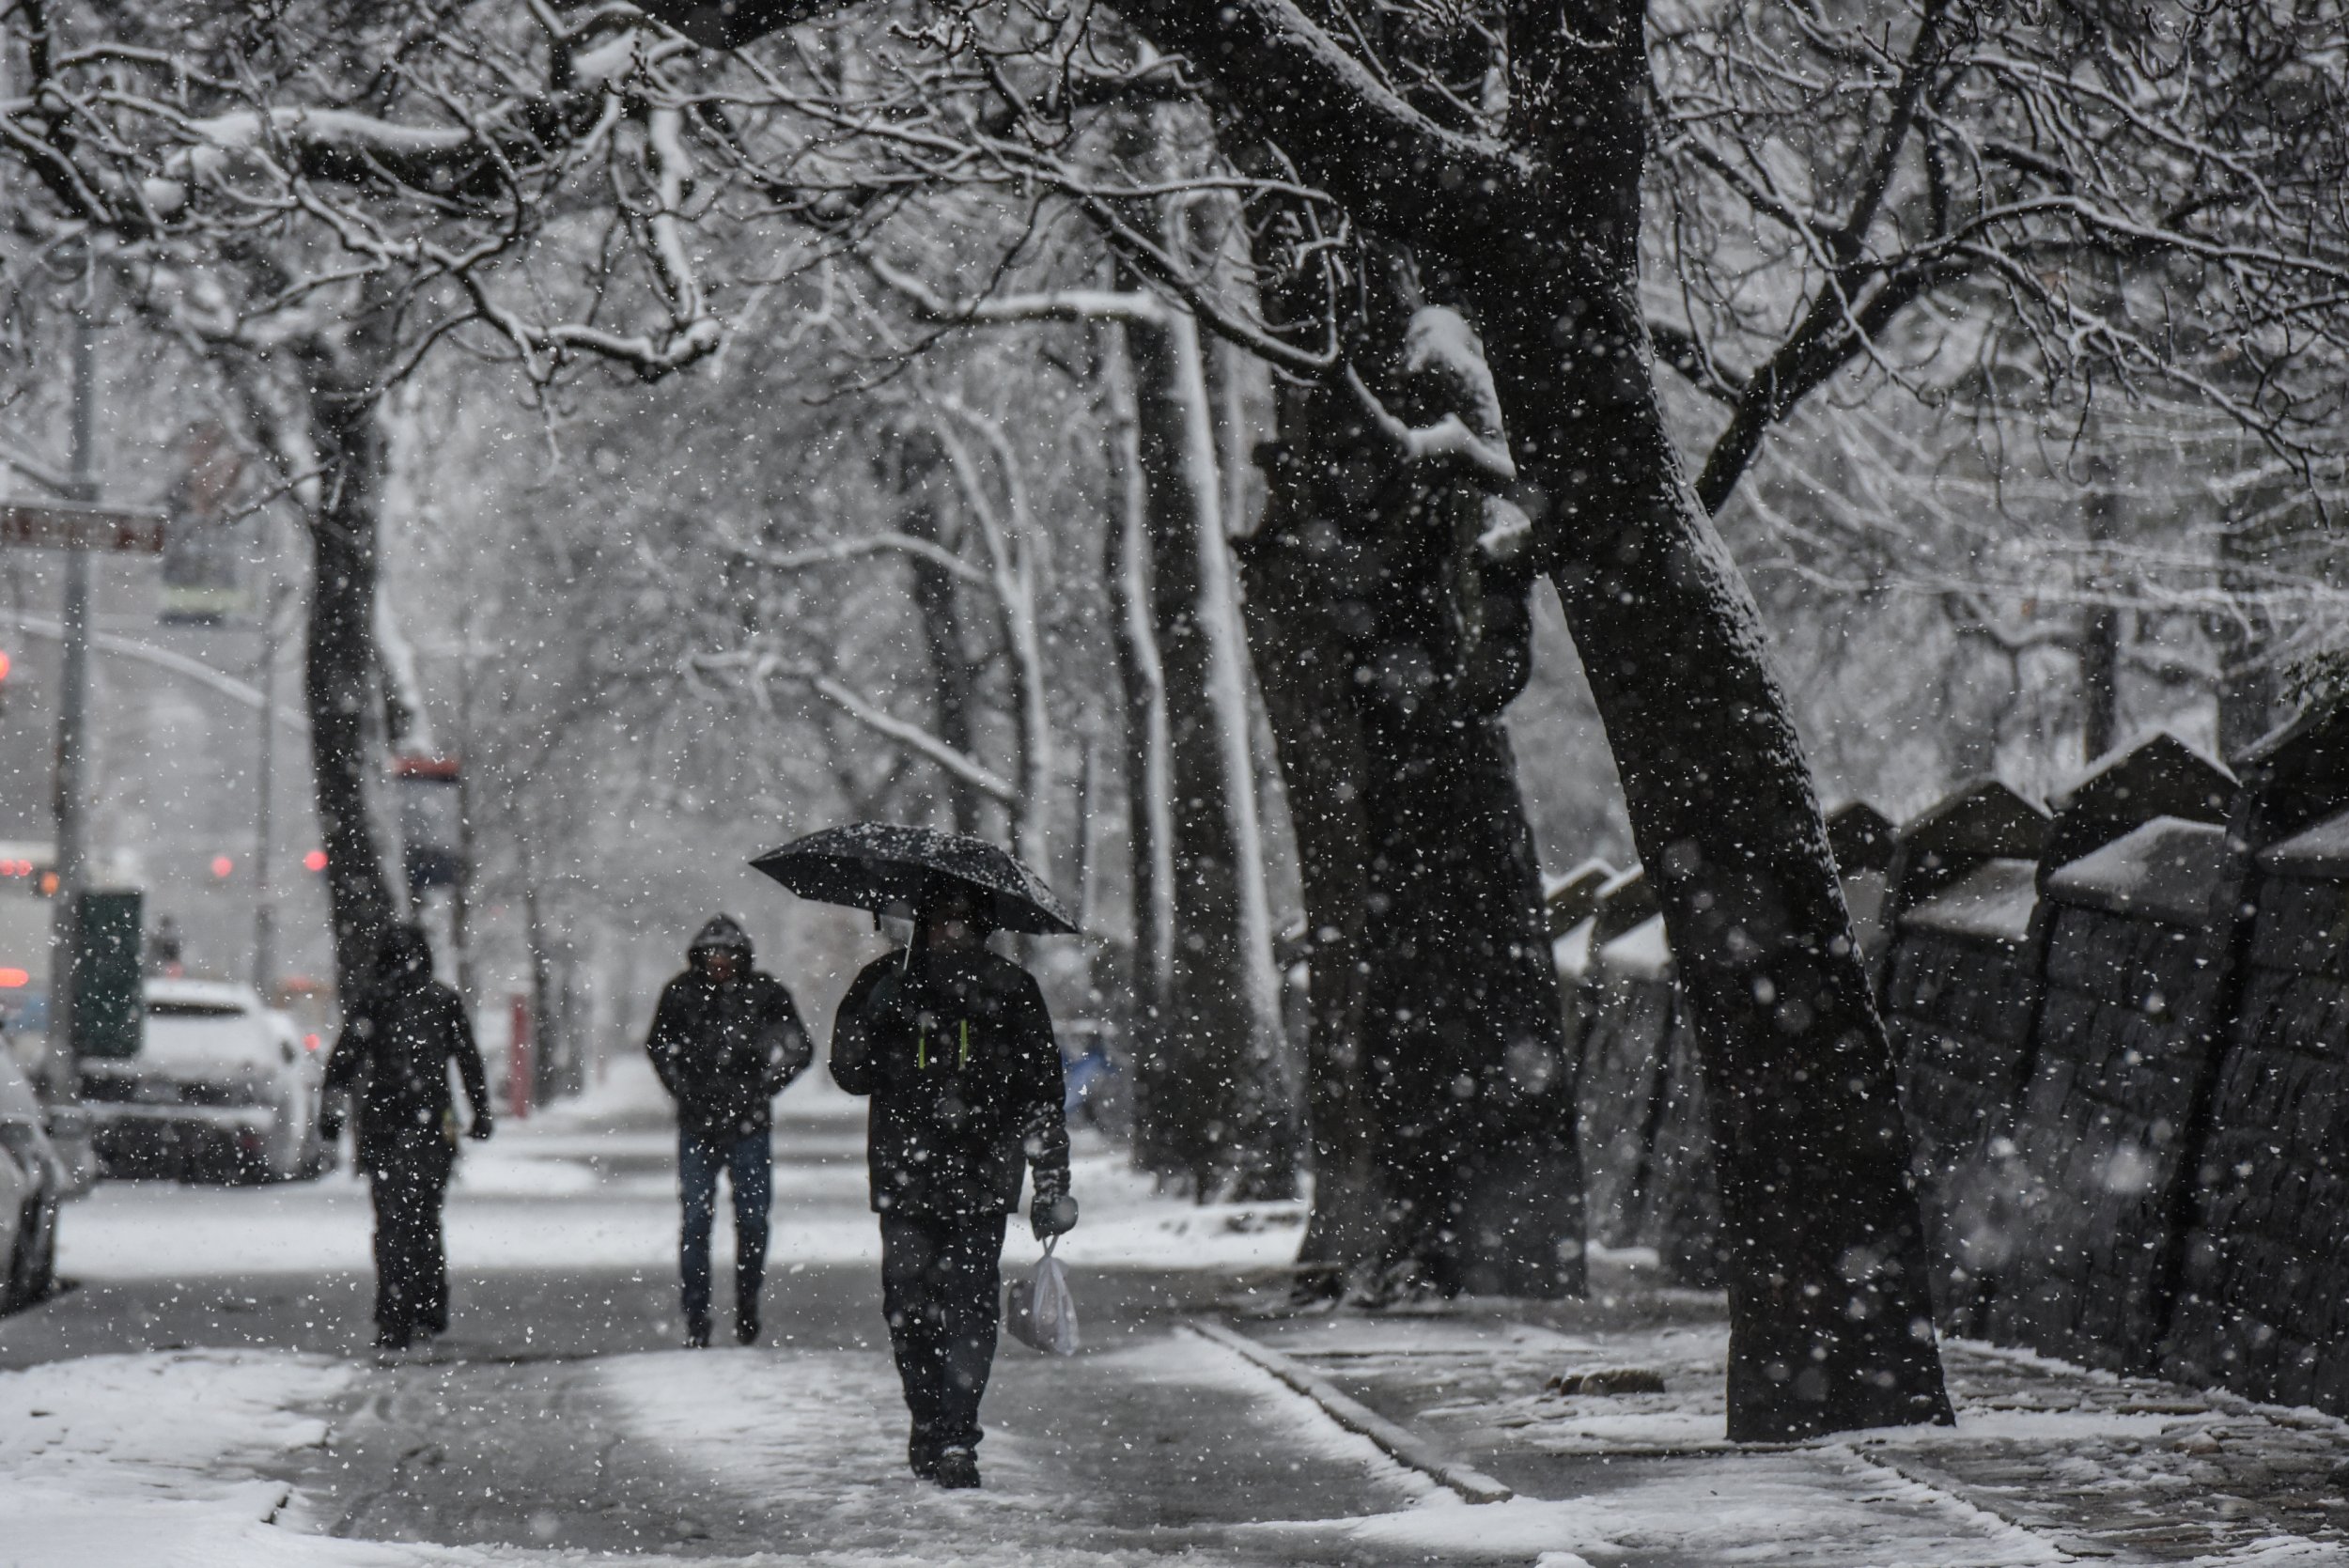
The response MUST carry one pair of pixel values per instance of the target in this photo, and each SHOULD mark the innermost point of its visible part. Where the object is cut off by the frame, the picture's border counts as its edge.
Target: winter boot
(746, 1324)
(957, 1470)
(697, 1333)
(922, 1457)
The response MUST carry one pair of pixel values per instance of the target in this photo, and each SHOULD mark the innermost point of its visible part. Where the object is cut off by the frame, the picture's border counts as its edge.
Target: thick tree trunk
(1441, 1096)
(340, 684)
(1830, 1317)
(1223, 1027)
(1467, 1049)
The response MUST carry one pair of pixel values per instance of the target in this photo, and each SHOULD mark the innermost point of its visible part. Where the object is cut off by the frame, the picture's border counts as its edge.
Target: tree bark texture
(340, 685)
(1442, 1094)
(1221, 1107)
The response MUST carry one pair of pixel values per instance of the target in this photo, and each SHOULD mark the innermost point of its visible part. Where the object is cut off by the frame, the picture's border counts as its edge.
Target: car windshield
(186, 1028)
(167, 1008)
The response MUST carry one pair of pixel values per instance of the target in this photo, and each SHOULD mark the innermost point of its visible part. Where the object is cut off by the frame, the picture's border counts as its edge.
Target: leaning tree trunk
(1829, 1312)
(1226, 1107)
(340, 683)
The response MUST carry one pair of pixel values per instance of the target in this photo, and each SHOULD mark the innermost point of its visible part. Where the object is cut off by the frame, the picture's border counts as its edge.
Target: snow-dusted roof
(1553, 886)
(2321, 851)
(1639, 953)
(1993, 902)
(1571, 952)
(2166, 869)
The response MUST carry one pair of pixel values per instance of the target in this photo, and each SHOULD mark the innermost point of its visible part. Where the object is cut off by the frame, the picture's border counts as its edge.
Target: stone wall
(1959, 998)
(2262, 1304)
(2102, 1132)
(2123, 1032)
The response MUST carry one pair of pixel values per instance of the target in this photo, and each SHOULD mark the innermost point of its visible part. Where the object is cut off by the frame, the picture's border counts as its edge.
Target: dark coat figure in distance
(726, 1039)
(393, 1057)
(955, 1046)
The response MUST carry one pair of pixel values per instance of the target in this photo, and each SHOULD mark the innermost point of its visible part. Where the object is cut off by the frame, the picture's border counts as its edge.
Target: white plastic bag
(1039, 1310)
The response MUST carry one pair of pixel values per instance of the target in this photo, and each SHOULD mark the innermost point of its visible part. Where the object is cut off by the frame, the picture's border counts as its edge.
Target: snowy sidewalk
(2048, 1461)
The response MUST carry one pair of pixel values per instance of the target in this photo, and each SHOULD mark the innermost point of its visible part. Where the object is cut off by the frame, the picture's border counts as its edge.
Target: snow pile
(1779, 1509)
(163, 1461)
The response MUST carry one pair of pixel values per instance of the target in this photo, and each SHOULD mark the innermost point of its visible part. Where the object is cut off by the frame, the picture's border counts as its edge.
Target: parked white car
(223, 1087)
(33, 1181)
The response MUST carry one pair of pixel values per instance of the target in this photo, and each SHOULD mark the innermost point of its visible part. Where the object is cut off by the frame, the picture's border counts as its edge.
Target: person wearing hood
(726, 1039)
(953, 1045)
(392, 1062)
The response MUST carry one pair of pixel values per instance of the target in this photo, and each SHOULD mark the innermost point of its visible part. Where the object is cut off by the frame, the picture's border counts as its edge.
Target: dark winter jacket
(957, 1051)
(725, 1049)
(394, 1054)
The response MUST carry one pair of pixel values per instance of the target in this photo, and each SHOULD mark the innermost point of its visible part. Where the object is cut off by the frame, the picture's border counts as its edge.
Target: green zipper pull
(922, 1050)
(965, 1061)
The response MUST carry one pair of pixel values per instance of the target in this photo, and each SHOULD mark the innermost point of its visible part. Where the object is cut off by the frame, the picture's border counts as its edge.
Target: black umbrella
(884, 867)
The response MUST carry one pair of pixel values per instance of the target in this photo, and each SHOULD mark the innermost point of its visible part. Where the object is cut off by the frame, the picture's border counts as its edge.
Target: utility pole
(72, 862)
(264, 910)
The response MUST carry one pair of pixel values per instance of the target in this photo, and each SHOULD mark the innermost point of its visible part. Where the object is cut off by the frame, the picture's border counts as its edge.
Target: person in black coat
(955, 1048)
(726, 1039)
(392, 1059)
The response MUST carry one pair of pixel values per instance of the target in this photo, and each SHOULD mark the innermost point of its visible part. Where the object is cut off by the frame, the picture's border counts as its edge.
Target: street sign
(73, 525)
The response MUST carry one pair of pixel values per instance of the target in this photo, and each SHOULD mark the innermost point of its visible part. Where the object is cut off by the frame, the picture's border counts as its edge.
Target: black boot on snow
(957, 1470)
(698, 1335)
(746, 1326)
(922, 1456)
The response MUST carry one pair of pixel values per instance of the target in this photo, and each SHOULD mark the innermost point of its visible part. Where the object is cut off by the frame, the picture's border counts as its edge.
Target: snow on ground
(163, 1461)
(1775, 1509)
(569, 1188)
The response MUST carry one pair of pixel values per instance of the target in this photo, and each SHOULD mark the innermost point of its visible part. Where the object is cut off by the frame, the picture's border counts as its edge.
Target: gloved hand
(1052, 1215)
(482, 1128)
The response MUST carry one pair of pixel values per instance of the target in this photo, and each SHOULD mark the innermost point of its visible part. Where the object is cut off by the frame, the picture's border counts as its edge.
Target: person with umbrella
(393, 1058)
(726, 1040)
(953, 1045)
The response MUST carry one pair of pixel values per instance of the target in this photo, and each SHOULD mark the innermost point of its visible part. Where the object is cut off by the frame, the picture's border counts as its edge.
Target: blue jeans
(750, 1166)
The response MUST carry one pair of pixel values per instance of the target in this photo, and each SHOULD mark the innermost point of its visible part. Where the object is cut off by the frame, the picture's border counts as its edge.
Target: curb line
(1400, 1444)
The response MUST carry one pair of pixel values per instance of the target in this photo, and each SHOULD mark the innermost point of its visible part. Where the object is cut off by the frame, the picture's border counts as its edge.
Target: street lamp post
(71, 861)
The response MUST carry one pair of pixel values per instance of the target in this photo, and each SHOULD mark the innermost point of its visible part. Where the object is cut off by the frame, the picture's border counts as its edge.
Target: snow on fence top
(2158, 776)
(2321, 851)
(1639, 954)
(1625, 900)
(1570, 899)
(2164, 870)
(1993, 902)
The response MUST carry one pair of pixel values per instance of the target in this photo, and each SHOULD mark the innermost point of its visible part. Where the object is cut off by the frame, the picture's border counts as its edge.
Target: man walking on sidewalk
(393, 1056)
(726, 1040)
(956, 1048)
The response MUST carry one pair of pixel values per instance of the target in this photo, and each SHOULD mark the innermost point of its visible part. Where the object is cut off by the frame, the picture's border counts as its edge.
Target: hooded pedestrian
(955, 1048)
(393, 1058)
(726, 1039)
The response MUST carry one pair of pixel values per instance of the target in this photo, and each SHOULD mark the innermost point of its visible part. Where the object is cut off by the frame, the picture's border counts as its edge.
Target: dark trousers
(939, 1287)
(407, 1175)
(749, 1163)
